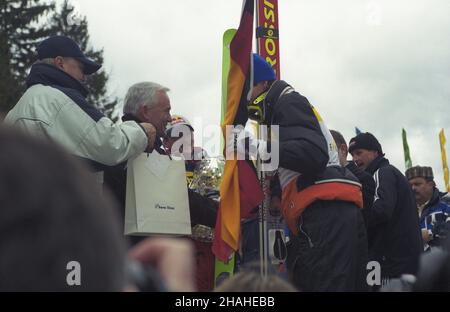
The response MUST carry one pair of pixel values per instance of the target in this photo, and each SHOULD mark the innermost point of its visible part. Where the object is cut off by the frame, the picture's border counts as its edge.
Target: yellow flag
(444, 159)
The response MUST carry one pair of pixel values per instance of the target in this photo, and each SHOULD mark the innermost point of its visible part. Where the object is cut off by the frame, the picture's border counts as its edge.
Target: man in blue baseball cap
(54, 107)
(66, 55)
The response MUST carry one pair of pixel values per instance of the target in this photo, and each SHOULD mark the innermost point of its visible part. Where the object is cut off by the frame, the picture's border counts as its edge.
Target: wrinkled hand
(150, 131)
(172, 258)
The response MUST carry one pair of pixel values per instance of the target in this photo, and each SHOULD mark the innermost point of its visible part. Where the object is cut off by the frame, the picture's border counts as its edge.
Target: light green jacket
(44, 111)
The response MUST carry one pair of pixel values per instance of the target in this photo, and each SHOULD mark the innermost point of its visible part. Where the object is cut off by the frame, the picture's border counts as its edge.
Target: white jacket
(54, 107)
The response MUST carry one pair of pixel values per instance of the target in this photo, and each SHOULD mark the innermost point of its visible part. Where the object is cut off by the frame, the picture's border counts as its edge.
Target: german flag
(240, 190)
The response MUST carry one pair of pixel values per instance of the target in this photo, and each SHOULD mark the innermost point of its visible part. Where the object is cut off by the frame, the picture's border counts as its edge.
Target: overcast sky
(377, 64)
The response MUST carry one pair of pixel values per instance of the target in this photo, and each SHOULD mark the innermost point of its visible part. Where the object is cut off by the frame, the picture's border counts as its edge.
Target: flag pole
(268, 47)
(408, 162)
(262, 208)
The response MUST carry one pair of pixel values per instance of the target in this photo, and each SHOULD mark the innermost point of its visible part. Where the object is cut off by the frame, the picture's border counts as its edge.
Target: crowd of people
(63, 191)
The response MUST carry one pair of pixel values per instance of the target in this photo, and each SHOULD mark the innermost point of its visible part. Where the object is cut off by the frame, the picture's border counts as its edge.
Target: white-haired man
(148, 102)
(145, 102)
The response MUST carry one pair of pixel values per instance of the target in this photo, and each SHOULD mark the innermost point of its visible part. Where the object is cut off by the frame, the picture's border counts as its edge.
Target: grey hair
(139, 94)
(48, 61)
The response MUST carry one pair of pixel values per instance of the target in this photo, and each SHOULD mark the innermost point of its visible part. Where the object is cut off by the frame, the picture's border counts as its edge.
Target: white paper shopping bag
(156, 198)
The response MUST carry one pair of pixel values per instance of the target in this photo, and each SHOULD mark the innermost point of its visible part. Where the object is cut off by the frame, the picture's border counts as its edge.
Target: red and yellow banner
(442, 140)
(267, 33)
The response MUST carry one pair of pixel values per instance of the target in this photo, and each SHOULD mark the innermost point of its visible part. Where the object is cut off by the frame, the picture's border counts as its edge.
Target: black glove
(203, 210)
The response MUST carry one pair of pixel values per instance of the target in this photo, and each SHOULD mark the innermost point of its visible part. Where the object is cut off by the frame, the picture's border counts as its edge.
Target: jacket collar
(128, 117)
(49, 75)
(435, 198)
(276, 91)
(376, 164)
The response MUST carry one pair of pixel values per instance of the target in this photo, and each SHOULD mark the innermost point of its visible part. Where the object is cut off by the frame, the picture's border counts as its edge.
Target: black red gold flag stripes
(240, 190)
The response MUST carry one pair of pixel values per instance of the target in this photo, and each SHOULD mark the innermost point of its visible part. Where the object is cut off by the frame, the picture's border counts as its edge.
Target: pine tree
(21, 29)
(67, 22)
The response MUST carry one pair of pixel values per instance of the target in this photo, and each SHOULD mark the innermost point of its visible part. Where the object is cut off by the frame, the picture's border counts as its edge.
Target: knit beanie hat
(262, 71)
(177, 121)
(365, 141)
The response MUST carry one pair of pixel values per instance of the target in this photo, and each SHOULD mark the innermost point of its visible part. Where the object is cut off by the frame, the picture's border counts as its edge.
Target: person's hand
(172, 258)
(150, 131)
(426, 236)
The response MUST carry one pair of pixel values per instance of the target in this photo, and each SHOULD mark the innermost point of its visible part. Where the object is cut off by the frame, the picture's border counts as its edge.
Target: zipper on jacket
(311, 245)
